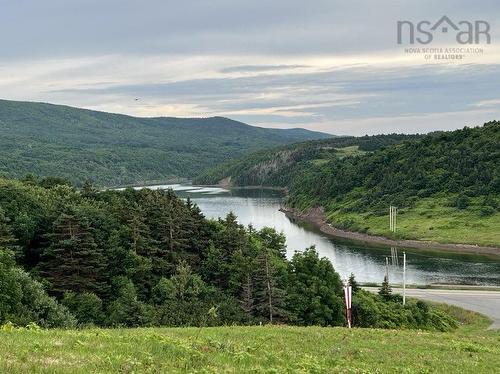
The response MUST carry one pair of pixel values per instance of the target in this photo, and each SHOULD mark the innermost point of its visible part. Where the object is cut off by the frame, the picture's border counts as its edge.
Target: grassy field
(270, 349)
(430, 220)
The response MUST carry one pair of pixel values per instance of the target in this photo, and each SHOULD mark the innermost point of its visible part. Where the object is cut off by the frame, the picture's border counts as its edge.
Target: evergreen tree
(72, 262)
(353, 283)
(385, 291)
(269, 295)
(7, 240)
(88, 190)
(138, 232)
(247, 296)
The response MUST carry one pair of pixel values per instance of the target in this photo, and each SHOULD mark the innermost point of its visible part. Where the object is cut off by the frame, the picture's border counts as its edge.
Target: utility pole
(387, 268)
(395, 218)
(390, 218)
(404, 278)
(393, 213)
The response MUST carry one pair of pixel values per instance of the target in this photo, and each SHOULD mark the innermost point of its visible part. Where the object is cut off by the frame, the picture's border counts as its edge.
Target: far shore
(316, 217)
(229, 187)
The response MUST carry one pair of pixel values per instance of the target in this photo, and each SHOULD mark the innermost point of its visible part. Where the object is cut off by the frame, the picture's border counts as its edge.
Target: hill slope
(277, 167)
(446, 184)
(113, 149)
(248, 349)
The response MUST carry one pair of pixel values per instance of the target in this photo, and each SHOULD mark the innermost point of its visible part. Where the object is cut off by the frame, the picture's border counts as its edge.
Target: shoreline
(230, 187)
(316, 217)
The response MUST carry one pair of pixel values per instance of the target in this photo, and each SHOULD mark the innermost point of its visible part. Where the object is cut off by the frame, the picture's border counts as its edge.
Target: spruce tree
(247, 295)
(88, 190)
(7, 240)
(269, 294)
(385, 291)
(139, 232)
(353, 283)
(72, 262)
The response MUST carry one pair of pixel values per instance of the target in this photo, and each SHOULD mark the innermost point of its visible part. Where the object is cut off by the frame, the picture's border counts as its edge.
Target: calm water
(261, 208)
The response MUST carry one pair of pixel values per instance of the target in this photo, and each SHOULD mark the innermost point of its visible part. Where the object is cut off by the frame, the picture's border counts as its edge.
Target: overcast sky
(333, 66)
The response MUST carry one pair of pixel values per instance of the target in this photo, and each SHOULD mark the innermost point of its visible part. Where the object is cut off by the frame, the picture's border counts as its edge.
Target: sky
(331, 66)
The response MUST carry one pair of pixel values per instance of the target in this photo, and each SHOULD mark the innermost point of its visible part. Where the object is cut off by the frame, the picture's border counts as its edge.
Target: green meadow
(430, 219)
(269, 349)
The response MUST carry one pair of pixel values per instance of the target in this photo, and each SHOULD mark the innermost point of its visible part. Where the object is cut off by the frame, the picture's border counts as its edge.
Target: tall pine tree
(269, 293)
(72, 261)
(7, 240)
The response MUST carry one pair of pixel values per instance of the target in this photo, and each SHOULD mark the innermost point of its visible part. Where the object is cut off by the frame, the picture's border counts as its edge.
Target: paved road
(484, 302)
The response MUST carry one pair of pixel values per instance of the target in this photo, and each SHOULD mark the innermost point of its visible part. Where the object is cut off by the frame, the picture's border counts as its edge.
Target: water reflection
(261, 208)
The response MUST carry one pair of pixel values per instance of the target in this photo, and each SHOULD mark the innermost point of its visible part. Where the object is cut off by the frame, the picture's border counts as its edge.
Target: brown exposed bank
(316, 217)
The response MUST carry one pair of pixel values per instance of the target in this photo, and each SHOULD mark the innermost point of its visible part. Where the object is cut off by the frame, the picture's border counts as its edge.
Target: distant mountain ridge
(115, 149)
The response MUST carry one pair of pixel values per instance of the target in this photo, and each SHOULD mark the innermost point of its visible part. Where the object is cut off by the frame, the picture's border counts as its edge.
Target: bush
(24, 300)
(370, 310)
(86, 307)
(126, 310)
(462, 201)
(486, 211)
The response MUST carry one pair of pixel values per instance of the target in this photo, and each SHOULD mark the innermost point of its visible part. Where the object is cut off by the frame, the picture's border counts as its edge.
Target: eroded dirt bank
(316, 217)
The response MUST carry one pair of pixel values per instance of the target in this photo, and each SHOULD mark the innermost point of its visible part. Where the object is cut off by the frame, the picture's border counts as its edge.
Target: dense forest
(147, 258)
(277, 167)
(112, 149)
(464, 162)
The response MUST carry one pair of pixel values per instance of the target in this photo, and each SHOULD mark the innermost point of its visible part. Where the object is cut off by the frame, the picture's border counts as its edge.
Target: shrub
(86, 307)
(126, 309)
(24, 300)
(370, 310)
(462, 201)
(486, 211)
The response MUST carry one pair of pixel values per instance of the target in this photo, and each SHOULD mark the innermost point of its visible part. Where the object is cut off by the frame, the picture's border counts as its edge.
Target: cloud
(289, 63)
(487, 103)
(411, 123)
(260, 68)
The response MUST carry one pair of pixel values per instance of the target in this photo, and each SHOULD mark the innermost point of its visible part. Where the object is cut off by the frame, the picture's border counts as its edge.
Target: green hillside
(277, 167)
(446, 184)
(264, 349)
(112, 149)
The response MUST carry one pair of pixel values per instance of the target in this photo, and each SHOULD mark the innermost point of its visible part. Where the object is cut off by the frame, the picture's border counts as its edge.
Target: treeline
(279, 166)
(147, 258)
(461, 164)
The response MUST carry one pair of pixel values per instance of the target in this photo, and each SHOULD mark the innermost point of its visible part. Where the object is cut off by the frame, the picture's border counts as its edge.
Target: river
(261, 208)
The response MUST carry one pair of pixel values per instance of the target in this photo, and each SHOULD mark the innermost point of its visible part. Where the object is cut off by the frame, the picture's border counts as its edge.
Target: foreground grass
(430, 220)
(252, 349)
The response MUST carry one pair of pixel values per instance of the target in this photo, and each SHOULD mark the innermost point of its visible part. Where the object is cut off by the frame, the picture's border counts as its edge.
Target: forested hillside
(446, 184)
(112, 149)
(147, 258)
(277, 167)
(465, 162)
